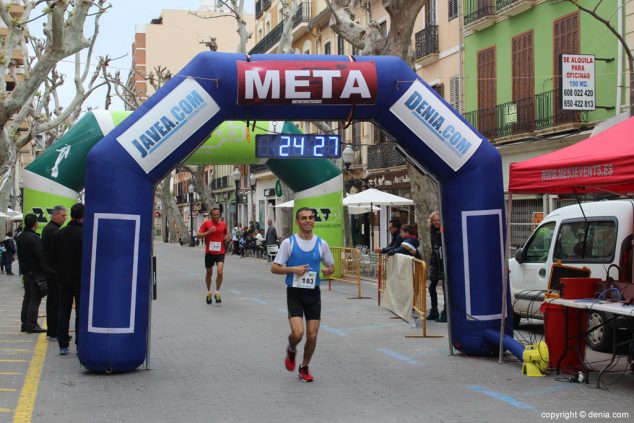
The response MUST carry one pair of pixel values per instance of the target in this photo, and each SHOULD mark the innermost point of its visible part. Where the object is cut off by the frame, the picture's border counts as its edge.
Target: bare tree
(237, 12)
(34, 98)
(370, 40)
(606, 21)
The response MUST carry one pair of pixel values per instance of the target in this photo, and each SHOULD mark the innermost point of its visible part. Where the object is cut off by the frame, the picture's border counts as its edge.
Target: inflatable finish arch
(123, 168)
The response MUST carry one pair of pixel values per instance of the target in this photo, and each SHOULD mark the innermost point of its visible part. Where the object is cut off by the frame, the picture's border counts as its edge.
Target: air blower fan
(535, 358)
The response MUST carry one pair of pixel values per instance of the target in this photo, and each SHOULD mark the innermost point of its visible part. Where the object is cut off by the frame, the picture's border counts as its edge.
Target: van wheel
(516, 320)
(599, 339)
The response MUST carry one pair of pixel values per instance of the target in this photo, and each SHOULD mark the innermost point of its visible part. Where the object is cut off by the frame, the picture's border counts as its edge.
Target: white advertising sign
(437, 125)
(168, 124)
(577, 82)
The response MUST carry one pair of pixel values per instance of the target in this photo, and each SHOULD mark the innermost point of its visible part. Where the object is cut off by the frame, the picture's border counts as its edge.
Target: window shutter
(454, 92)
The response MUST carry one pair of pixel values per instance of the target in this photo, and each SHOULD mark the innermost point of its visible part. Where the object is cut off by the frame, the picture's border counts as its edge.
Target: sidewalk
(213, 363)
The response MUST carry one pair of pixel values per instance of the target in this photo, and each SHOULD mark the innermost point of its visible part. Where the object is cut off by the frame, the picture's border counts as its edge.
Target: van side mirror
(519, 255)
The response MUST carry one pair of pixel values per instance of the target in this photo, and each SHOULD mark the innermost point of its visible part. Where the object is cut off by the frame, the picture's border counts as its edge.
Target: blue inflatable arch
(123, 168)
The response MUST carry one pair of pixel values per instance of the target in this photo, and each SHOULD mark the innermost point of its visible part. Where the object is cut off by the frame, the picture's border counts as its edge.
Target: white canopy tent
(374, 197)
(351, 209)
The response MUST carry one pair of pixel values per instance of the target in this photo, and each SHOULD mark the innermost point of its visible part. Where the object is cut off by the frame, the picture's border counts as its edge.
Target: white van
(595, 235)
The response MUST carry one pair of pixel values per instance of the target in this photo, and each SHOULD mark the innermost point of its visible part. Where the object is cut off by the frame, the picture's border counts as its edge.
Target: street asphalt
(224, 363)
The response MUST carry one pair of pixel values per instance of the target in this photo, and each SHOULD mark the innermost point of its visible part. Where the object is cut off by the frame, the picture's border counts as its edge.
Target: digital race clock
(297, 146)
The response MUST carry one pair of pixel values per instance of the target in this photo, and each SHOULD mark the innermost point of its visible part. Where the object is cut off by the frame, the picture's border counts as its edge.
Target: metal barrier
(419, 280)
(420, 296)
(382, 276)
(347, 268)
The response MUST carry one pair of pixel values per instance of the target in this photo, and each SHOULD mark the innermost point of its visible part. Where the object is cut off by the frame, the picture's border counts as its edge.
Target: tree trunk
(426, 195)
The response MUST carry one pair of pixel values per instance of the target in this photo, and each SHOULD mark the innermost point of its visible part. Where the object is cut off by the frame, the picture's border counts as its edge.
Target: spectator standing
(409, 245)
(58, 217)
(9, 245)
(259, 243)
(67, 257)
(32, 267)
(271, 233)
(436, 268)
(236, 234)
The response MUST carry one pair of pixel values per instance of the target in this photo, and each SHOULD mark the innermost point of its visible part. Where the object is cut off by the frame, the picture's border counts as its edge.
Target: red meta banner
(294, 82)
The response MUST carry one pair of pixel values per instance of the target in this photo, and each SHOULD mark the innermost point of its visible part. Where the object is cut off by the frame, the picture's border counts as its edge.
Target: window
(327, 48)
(340, 46)
(383, 26)
(579, 241)
(453, 9)
(439, 88)
(537, 248)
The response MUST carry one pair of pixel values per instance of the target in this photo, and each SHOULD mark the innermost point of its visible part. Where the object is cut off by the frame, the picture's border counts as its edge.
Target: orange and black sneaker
(304, 374)
(289, 361)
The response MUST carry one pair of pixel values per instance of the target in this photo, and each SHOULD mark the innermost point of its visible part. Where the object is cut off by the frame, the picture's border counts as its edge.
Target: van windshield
(537, 248)
(593, 241)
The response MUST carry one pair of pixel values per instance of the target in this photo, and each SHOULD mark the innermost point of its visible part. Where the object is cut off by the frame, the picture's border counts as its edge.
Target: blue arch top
(123, 168)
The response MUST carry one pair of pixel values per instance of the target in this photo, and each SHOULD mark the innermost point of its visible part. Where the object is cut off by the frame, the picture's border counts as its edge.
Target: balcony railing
(427, 41)
(525, 115)
(384, 156)
(477, 9)
(273, 37)
(501, 4)
(258, 9)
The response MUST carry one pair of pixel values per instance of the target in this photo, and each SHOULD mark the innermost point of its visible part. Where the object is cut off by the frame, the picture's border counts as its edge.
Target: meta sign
(312, 82)
(577, 82)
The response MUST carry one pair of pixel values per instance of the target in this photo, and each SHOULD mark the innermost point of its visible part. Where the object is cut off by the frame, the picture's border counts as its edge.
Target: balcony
(381, 156)
(266, 4)
(538, 114)
(479, 14)
(272, 38)
(427, 45)
(258, 9)
(513, 7)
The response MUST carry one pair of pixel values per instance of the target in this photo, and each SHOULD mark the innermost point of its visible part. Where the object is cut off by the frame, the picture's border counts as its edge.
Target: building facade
(186, 33)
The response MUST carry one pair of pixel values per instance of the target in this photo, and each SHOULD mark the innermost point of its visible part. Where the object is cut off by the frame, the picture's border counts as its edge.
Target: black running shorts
(210, 259)
(304, 302)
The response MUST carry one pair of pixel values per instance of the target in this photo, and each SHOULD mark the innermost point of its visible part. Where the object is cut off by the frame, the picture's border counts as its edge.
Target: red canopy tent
(604, 162)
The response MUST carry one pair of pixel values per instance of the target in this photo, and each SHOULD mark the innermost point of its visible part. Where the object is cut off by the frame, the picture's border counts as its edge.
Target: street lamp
(348, 156)
(252, 180)
(192, 241)
(236, 176)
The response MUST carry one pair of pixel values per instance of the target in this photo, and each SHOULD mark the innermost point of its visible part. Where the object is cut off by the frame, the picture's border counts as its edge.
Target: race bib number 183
(307, 281)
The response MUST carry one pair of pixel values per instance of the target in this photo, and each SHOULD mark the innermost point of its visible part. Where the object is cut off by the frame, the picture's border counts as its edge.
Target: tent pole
(505, 278)
(371, 226)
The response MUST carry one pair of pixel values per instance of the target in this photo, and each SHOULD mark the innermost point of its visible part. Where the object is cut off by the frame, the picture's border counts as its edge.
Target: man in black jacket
(32, 267)
(67, 255)
(394, 227)
(58, 217)
(271, 233)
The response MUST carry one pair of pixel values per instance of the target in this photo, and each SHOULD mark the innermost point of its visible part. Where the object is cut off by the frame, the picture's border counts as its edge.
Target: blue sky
(117, 28)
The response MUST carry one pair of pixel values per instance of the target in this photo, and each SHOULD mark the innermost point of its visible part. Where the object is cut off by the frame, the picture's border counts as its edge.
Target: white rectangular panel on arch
(116, 288)
(168, 124)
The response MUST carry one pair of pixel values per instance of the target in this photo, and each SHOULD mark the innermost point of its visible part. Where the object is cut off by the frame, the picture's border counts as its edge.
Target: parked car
(595, 235)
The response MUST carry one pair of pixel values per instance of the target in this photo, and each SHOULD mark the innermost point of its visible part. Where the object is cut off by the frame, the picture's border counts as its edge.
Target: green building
(512, 52)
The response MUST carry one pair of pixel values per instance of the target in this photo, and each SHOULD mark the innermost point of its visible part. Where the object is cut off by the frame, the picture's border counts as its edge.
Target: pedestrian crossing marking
(13, 361)
(8, 389)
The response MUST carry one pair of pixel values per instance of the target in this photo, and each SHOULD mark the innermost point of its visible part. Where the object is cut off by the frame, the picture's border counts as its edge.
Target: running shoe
(218, 299)
(304, 374)
(289, 361)
(63, 351)
(208, 298)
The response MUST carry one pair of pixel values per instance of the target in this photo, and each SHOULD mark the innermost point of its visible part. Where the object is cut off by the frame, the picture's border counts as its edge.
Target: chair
(271, 252)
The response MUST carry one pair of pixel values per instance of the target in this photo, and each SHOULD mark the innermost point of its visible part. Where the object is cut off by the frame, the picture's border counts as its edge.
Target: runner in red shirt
(215, 233)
